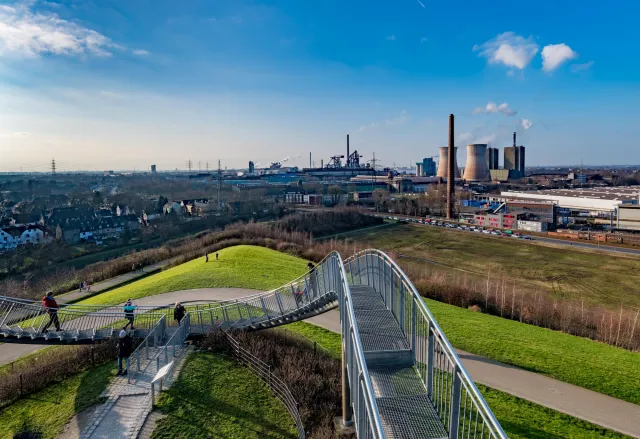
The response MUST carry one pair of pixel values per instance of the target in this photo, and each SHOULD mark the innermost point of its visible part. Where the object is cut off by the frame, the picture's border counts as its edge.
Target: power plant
(443, 163)
(514, 158)
(476, 168)
(492, 158)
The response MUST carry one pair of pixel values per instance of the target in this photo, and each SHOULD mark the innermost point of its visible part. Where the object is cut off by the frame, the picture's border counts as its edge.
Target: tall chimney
(348, 161)
(514, 138)
(451, 179)
(309, 159)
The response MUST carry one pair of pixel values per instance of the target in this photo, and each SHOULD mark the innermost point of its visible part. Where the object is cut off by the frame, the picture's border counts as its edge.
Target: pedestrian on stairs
(50, 304)
(124, 351)
(179, 312)
(313, 279)
(129, 313)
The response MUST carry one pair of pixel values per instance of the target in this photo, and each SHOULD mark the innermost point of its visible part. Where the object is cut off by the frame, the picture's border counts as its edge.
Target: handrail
(492, 423)
(375, 422)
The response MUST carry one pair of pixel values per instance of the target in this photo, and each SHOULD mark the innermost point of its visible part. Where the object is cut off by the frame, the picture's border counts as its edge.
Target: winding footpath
(590, 406)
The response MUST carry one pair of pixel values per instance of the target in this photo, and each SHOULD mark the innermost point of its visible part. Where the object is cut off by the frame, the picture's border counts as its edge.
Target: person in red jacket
(50, 304)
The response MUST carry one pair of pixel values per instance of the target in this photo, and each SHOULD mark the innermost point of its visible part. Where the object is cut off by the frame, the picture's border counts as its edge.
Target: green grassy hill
(242, 266)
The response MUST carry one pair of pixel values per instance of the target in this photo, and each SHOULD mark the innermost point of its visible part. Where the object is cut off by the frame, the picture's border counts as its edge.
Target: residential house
(12, 237)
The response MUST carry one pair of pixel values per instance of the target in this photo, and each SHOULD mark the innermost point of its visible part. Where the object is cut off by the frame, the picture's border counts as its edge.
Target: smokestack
(348, 152)
(309, 160)
(451, 179)
(514, 138)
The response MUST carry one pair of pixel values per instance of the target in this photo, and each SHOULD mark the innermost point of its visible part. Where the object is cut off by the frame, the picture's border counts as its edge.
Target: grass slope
(239, 267)
(214, 397)
(585, 363)
(49, 410)
(598, 279)
(519, 418)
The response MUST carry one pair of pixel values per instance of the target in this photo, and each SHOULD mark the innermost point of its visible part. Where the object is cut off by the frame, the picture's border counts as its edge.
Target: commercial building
(153, 169)
(496, 220)
(605, 199)
(532, 226)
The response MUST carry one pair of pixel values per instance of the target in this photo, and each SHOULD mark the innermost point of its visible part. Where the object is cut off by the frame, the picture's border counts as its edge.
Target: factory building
(426, 168)
(514, 158)
(492, 158)
(628, 217)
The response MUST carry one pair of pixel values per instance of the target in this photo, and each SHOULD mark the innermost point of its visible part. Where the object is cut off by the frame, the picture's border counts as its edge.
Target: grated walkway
(405, 408)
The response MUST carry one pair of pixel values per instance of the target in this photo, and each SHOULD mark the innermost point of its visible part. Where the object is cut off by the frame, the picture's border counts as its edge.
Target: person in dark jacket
(50, 304)
(179, 312)
(125, 344)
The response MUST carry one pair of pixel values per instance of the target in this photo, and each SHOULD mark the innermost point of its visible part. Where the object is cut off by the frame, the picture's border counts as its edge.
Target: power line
(189, 164)
(53, 166)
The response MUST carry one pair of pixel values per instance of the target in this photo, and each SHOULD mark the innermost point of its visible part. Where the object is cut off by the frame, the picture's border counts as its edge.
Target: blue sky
(124, 84)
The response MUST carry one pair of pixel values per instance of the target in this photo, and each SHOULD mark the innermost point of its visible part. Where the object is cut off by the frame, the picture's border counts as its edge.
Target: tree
(380, 196)
(335, 193)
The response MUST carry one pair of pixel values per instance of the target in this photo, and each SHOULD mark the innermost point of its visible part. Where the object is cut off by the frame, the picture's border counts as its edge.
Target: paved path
(575, 401)
(110, 283)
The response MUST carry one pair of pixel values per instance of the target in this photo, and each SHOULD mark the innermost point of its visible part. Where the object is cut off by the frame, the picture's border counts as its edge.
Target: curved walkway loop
(401, 376)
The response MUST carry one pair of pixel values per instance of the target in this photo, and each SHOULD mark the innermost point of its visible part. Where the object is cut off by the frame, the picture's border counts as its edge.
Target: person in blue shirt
(129, 313)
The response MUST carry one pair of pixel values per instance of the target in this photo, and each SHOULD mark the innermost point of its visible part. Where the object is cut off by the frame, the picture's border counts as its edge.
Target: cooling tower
(443, 164)
(476, 168)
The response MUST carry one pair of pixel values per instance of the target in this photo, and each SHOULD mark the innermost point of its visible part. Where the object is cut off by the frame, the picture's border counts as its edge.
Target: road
(575, 401)
(539, 239)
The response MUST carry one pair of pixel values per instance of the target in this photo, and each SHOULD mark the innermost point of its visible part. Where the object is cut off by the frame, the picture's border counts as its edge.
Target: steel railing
(458, 402)
(146, 350)
(263, 371)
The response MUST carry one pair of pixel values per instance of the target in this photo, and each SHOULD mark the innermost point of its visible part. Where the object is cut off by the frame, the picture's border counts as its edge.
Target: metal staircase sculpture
(401, 376)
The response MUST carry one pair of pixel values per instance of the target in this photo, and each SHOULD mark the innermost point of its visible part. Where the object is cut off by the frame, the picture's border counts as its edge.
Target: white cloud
(15, 135)
(553, 55)
(491, 107)
(582, 67)
(488, 139)
(509, 49)
(421, 4)
(25, 33)
(140, 52)
(526, 123)
(391, 38)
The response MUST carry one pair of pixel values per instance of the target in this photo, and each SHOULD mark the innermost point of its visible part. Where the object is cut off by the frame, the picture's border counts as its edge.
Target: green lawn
(602, 279)
(239, 267)
(215, 397)
(47, 411)
(585, 363)
(519, 418)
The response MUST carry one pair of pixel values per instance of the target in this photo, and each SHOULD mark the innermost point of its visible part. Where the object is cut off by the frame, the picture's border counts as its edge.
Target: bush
(50, 366)
(314, 378)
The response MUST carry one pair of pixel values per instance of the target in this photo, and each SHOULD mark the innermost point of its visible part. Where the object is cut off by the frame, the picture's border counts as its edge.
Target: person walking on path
(129, 313)
(216, 256)
(50, 304)
(206, 257)
(179, 312)
(124, 351)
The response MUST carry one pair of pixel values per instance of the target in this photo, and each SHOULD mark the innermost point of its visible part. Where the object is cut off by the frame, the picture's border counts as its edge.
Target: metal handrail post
(430, 352)
(454, 421)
